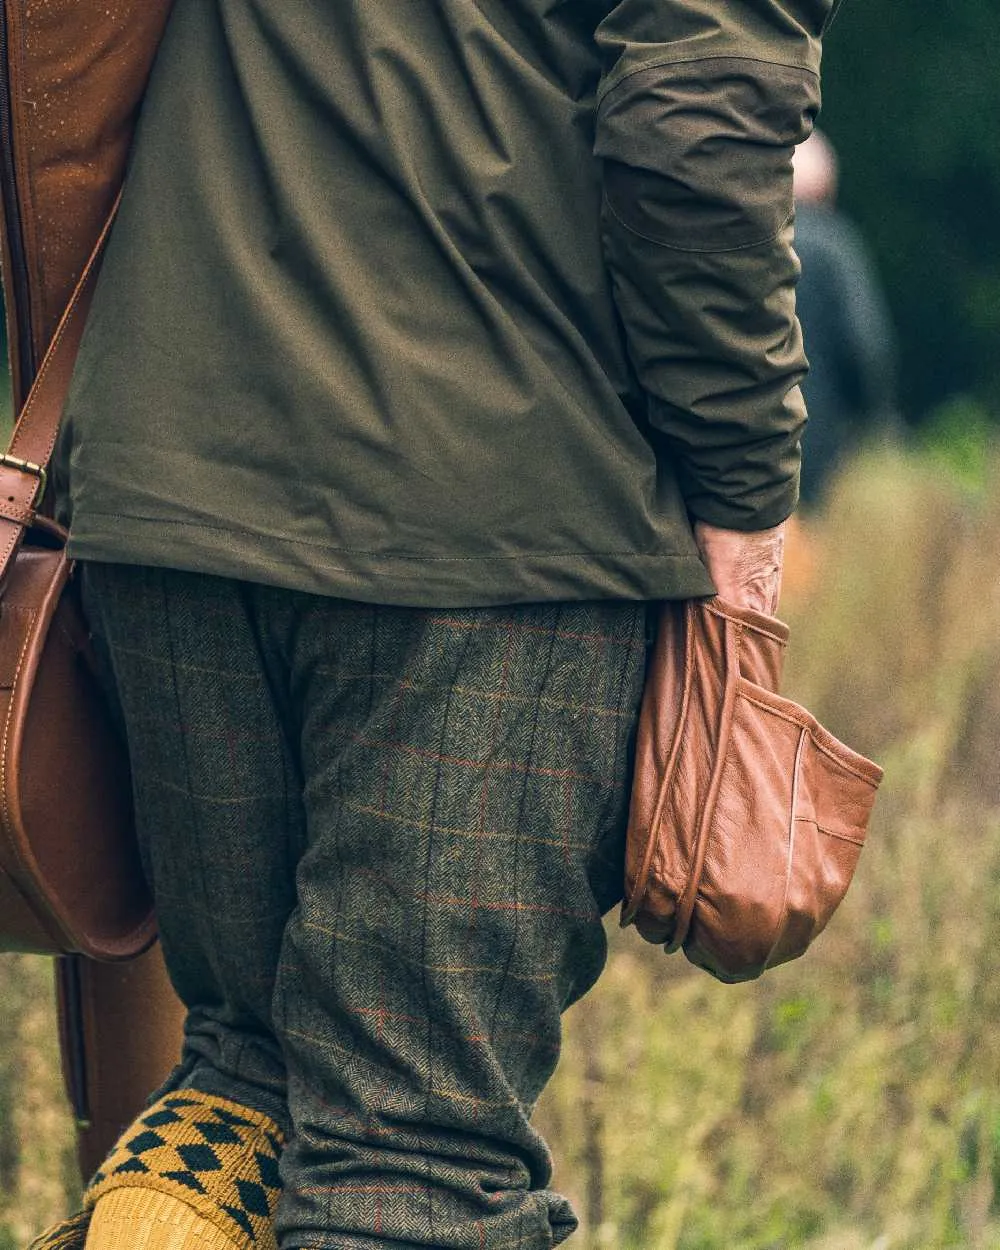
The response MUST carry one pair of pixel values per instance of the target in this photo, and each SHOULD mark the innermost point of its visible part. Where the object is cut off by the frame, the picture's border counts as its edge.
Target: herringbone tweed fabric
(381, 840)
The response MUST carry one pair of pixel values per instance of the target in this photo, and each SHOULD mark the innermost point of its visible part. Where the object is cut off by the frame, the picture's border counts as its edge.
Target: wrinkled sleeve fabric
(700, 105)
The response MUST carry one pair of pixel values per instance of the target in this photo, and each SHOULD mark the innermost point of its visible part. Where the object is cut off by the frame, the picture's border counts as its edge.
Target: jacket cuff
(754, 512)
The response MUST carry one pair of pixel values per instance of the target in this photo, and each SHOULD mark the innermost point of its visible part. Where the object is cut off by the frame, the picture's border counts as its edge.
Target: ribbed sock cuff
(146, 1219)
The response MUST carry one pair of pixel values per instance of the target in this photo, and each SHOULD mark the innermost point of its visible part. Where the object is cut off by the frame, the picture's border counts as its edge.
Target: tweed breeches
(381, 841)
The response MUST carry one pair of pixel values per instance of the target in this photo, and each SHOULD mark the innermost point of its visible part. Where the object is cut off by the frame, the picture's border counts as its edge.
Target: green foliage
(911, 105)
(959, 437)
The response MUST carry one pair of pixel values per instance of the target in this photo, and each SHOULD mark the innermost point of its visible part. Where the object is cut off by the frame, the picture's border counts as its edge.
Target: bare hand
(745, 566)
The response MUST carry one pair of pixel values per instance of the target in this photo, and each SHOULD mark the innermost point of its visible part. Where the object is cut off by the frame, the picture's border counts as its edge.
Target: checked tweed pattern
(218, 1157)
(381, 840)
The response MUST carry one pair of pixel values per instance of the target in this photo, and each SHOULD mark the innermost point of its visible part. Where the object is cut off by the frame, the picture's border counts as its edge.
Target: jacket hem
(403, 581)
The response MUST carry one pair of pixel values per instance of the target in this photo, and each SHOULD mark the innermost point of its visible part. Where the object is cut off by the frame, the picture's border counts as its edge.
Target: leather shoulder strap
(24, 467)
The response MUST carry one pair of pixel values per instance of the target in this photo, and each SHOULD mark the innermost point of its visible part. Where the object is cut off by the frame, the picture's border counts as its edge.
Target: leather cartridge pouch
(747, 816)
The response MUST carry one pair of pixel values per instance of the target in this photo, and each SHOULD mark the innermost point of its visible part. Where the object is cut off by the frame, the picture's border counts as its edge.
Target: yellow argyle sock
(193, 1172)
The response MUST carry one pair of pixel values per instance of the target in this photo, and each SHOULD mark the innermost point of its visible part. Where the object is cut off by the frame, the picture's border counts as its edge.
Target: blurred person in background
(849, 340)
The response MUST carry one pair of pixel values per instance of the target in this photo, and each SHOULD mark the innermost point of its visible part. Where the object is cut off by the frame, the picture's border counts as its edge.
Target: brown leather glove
(745, 566)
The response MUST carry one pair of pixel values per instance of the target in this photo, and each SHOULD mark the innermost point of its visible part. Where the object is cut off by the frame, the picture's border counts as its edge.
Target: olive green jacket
(452, 303)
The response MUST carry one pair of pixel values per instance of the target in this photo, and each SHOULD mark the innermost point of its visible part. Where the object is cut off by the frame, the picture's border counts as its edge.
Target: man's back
(363, 330)
(359, 270)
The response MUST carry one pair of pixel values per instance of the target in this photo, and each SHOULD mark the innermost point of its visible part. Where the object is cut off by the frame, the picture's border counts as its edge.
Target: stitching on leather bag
(688, 898)
(822, 739)
(832, 833)
(16, 513)
(790, 857)
(15, 538)
(843, 756)
(6, 738)
(642, 876)
(720, 608)
(803, 719)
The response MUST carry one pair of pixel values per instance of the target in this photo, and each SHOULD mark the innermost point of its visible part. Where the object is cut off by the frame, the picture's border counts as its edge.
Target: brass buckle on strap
(27, 466)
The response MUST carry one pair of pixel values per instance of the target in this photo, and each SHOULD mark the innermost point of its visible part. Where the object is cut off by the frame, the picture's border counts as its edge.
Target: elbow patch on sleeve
(697, 154)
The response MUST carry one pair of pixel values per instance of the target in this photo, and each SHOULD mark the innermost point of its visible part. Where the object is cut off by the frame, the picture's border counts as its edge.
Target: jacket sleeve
(700, 105)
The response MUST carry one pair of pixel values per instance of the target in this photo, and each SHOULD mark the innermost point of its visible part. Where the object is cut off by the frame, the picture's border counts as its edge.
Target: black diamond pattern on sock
(218, 1134)
(199, 1158)
(267, 1166)
(188, 1179)
(157, 1119)
(229, 1118)
(142, 1142)
(131, 1165)
(253, 1197)
(240, 1217)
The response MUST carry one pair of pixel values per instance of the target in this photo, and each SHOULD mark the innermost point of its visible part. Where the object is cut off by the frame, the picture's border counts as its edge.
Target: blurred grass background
(850, 1100)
